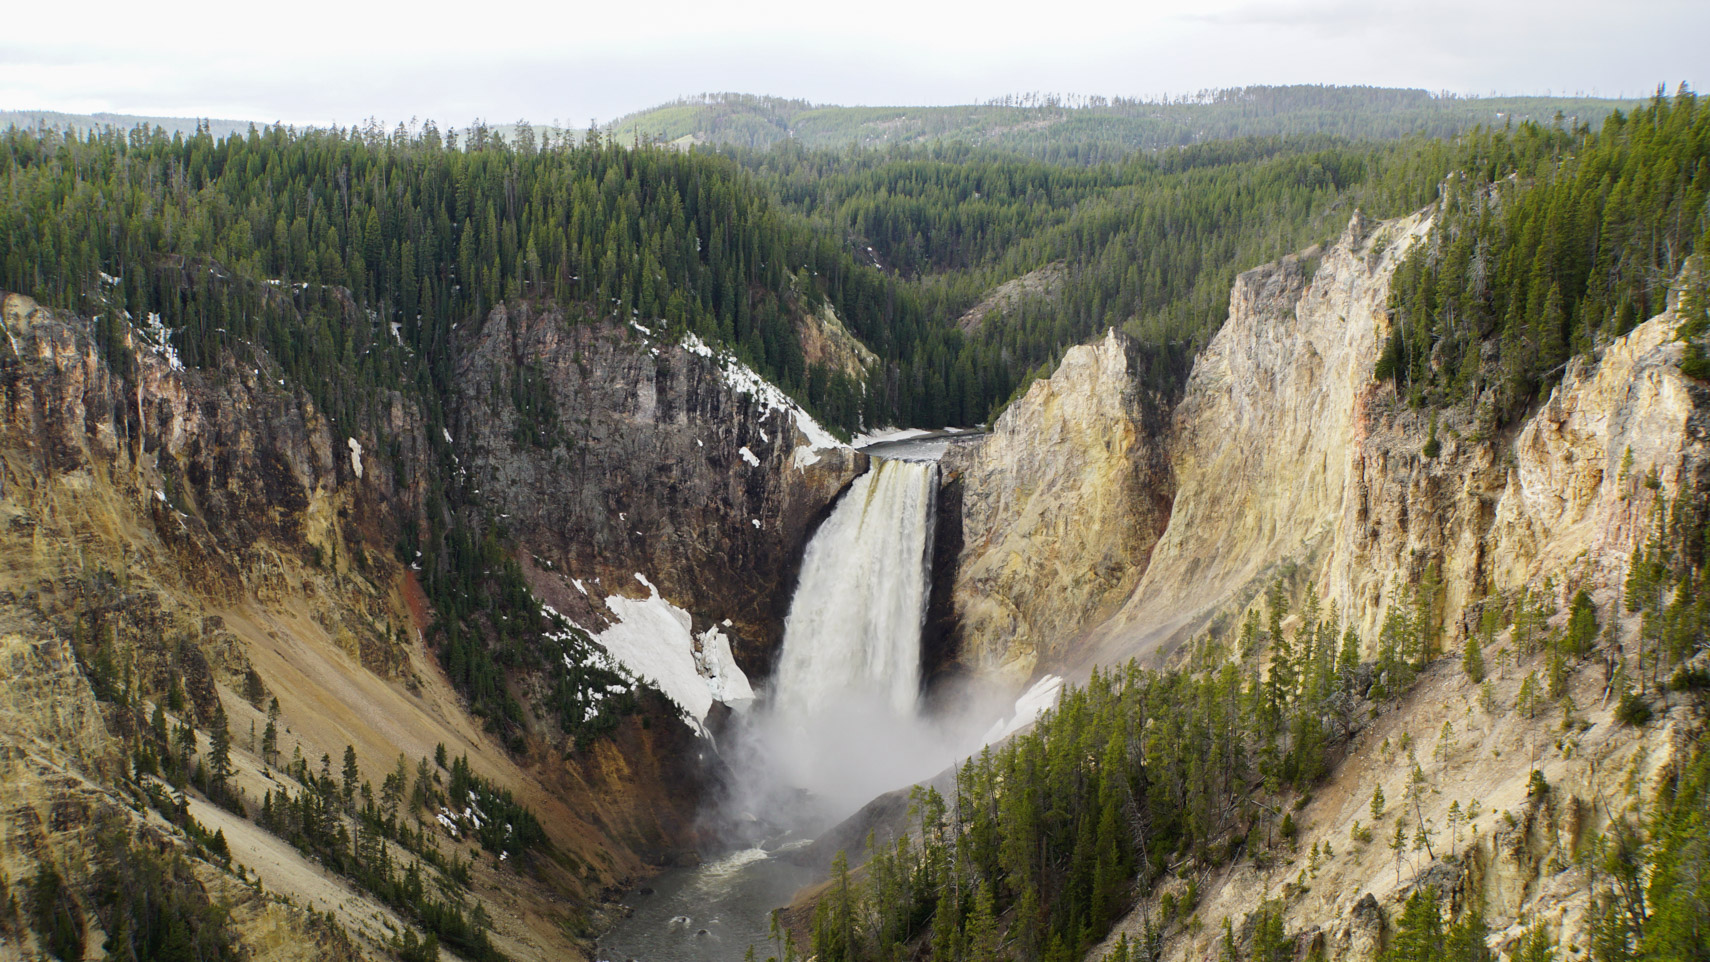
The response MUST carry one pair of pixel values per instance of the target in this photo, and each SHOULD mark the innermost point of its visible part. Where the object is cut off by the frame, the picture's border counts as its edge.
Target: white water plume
(854, 624)
(842, 721)
(842, 718)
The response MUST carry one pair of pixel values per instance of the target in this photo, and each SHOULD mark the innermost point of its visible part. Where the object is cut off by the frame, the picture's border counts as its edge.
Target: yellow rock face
(1060, 506)
(1090, 537)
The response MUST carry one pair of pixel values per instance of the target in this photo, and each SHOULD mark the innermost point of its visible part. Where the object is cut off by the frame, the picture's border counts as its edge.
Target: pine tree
(219, 754)
(1419, 935)
(270, 736)
(982, 927)
(1398, 846)
(1536, 945)
(1472, 658)
(1582, 625)
(1527, 703)
(352, 776)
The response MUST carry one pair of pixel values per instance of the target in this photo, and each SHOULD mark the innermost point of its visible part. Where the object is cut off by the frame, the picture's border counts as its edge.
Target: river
(709, 913)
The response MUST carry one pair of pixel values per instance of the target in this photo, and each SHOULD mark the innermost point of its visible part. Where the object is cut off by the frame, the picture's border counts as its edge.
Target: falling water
(842, 723)
(853, 631)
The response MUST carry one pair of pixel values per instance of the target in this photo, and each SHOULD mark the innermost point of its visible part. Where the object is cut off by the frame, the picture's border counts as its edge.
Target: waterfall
(854, 626)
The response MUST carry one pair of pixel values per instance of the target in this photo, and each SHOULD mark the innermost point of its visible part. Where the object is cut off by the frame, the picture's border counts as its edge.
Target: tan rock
(1059, 508)
(825, 340)
(1259, 444)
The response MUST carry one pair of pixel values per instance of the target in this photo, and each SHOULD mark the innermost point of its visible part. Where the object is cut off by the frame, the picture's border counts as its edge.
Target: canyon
(224, 536)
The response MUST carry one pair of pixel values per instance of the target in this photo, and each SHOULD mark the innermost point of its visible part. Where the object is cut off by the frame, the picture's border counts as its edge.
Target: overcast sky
(342, 61)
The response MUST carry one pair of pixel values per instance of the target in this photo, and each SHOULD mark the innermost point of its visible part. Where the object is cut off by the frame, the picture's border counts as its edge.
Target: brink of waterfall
(854, 627)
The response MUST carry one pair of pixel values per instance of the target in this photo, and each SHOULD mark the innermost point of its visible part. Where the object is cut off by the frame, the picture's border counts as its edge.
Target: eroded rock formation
(1059, 508)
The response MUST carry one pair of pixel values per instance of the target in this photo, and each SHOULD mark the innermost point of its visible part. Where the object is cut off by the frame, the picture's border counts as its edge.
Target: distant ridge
(30, 119)
(84, 122)
(1097, 128)
(1084, 129)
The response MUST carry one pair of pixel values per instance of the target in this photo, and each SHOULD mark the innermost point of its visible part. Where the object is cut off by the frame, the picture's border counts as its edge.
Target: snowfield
(654, 641)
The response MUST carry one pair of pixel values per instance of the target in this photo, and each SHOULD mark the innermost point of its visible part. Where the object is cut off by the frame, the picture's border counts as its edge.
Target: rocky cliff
(186, 532)
(825, 340)
(1286, 462)
(1285, 457)
(657, 456)
(1059, 508)
(210, 535)
(1261, 445)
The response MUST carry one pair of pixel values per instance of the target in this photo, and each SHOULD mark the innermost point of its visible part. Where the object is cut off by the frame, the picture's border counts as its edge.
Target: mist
(793, 776)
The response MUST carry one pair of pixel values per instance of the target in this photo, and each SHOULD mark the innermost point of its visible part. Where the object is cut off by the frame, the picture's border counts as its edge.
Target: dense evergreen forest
(352, 257)
(286, 241)
(271, 239)
(1551, 240)
(1150, 245)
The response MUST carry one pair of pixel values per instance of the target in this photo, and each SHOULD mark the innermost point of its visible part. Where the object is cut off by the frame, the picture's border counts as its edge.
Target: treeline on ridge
(1550, 241)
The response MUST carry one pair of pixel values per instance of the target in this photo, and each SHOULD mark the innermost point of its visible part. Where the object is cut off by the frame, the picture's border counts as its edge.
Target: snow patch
(654, 641)
(742, 379)
(718, 666)
(1033, 703)
(804, 457)
(160, 340)
(749, 456)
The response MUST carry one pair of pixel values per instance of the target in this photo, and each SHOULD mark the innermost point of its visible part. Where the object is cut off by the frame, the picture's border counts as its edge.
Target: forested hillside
(1090, 130)
(1551, 240)
(282, 242)
(422, 232)
(84, 123)
(1149, 245)
(1152, 784)
(363, 267)
(232, 241)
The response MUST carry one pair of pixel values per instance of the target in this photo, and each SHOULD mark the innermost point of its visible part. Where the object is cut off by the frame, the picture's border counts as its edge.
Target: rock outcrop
(1260, 444)
(659, 457)
(1614, 436)
(826, 341)
(1059, 507)
(1285, 457)
(1043, 284)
